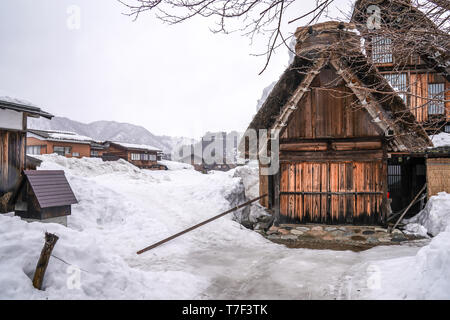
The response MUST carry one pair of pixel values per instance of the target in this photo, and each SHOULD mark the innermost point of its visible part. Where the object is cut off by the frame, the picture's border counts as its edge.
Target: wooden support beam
(50, 242)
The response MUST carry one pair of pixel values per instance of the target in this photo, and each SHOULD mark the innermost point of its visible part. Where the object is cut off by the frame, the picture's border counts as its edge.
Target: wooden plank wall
(328, 113)
(332, 192)
(12, 161)
(418, 102)
(438, 175)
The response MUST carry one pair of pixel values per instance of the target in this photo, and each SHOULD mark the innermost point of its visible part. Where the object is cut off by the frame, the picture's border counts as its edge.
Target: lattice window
(394, 177)
(436, 92)
(398, 82)
(381, 49)
(447, 128)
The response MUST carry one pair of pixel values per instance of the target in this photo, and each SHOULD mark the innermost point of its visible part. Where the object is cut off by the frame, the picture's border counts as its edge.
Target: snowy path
(249, 269)
(123, 209)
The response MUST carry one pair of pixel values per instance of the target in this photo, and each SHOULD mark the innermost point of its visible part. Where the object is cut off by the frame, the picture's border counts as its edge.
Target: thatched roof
(337, 45)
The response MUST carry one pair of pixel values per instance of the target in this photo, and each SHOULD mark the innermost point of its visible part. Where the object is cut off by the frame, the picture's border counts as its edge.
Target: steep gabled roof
(23, 106)
(50, 187)
(337, 45)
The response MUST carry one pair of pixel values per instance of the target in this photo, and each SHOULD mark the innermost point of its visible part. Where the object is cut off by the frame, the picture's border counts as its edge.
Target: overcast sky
(178, 80)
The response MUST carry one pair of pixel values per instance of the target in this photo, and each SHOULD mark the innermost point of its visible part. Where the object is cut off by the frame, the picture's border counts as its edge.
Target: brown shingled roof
(50, 187)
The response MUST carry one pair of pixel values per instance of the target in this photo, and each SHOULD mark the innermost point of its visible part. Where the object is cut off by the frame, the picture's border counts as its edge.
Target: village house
(212, 153)
(13, 127)
(419, 71)
(63, 143)
(142, 156)
(338, 122)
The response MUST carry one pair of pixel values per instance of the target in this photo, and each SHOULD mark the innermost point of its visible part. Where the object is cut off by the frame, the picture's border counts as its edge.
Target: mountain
(112, 131)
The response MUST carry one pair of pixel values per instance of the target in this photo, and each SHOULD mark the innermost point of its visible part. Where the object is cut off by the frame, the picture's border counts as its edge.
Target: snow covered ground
(123, 209)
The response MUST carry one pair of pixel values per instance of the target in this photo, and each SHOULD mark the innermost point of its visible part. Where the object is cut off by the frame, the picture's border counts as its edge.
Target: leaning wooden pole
(408, 207)
(50, 242)
(199, 225)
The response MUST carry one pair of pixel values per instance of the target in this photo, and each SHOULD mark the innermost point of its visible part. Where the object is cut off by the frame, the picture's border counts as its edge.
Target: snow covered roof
(61, 136)
(20, 105)
(136, 146)
(441, 140)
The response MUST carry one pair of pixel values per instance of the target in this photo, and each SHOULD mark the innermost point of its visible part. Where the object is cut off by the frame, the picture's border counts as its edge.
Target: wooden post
(50, 242)
(276, 200)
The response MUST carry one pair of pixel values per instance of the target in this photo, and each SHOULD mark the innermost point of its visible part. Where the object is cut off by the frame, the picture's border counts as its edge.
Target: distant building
(142, 156)
(13, 127)
(217, 151)
(63, 143)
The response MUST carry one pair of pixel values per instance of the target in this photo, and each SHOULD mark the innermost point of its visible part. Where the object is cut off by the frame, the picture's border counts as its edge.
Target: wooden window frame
(381, 49)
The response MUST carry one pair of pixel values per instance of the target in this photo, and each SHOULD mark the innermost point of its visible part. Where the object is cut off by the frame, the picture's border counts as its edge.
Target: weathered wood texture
(332, 192)
(438, 175)
(50, 242)
(418, 100)
(12, 162)
(333, 113)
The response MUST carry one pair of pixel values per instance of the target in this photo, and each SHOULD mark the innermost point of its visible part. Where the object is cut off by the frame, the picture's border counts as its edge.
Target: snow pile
(122, 209)
(435, 217)
(423, 276)
(174, 165)
(255, 216)
(250, 178)
(441, 140)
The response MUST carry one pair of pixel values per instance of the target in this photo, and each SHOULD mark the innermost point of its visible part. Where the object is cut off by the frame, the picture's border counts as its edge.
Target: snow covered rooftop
(441, 140)
(136, 146)
(20, 105)
(61, 135)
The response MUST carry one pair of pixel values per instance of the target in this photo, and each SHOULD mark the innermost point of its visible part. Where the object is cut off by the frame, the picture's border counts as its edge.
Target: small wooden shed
(44, 195)
(337, 120)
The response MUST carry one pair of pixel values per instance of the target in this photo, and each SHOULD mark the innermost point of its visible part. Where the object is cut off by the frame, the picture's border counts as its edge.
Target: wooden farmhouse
(13, 126)
(63, 143)
(44, 195)
(338, 122)
(142, 156)
(419, 70)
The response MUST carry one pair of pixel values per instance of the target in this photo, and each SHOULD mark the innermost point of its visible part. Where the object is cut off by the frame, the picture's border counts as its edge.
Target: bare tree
(267, 18)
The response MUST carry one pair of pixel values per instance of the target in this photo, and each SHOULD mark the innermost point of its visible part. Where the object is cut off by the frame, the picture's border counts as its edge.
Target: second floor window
(436, 104)
(381, 49)
(33, 149)
(62, 151)
(399, 83)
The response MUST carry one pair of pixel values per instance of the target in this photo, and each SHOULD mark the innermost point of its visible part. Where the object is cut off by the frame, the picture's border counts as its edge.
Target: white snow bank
(250, 179)
(122, 209)
(441, 140)
(435, 217)
(423, 276)
(174, 165)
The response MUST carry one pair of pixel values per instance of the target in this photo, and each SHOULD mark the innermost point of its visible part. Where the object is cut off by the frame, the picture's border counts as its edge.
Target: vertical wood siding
(332, 192)
(12, 160)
